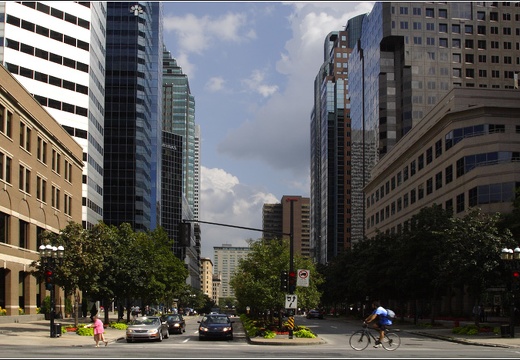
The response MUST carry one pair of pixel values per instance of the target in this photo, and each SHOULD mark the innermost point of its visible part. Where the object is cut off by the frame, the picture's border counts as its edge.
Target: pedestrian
(99, 330)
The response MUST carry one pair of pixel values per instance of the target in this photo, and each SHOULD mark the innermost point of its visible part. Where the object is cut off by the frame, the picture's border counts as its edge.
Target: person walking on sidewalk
(99, 330)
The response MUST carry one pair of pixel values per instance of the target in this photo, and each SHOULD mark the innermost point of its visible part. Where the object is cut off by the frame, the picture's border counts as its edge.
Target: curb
(459, 341)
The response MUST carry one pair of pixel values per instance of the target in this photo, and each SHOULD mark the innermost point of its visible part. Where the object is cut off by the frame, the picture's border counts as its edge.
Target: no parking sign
(302, 278)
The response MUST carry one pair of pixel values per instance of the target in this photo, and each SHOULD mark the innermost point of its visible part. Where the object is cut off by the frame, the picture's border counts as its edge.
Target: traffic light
(292, 282)
(515, 280)
(283, 280)
(48, 279)
(184, 233)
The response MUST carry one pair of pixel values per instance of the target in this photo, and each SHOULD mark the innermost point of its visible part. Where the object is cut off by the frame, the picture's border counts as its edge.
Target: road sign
(302, 278)
(291, 301)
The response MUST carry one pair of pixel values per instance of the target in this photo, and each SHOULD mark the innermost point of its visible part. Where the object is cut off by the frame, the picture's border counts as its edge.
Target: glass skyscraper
(133, 114)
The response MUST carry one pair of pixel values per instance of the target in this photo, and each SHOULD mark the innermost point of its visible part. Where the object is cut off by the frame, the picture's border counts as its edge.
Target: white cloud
(196, 35)
(256, 83)
(215, 84)
(278, 131)
(224, 200)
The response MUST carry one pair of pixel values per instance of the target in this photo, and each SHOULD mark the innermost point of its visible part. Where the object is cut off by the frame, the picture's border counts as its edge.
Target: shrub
(119, 326)
(3, 312)
(84, 331)
(268, 334)
(304, 333)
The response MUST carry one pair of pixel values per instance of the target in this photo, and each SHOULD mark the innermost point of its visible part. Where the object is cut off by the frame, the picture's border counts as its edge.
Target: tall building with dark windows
(133, 114)
(331, 177)
(184, 172)
(408, 57)
(56, 50)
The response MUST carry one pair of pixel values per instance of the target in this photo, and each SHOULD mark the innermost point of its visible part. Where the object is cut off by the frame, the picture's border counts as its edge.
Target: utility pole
(292, 275)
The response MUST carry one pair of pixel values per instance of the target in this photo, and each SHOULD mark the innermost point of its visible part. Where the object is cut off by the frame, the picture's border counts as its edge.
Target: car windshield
(146, 321)
(173, 318)
(217, 320)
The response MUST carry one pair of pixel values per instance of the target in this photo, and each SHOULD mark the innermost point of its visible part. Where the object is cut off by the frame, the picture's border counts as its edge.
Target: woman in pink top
(99, 330)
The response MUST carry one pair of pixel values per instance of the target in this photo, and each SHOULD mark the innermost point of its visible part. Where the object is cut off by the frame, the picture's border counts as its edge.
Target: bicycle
(360, 339)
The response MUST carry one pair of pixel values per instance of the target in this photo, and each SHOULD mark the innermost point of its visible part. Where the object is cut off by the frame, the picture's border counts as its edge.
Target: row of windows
(45, 55)
(479, 195)
(58, 13)
(457, 43)
(456, 28)
(55, 104)
(41, 30)
(25, 183)
(450, 139)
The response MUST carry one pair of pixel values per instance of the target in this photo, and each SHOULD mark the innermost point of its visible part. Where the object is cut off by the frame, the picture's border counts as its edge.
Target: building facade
(465, 154)
(411, 54)
(41, 169)
(226, 260)
(292, 212)
(331, 148)
(133, 114)
(206, 277)
(57, 51)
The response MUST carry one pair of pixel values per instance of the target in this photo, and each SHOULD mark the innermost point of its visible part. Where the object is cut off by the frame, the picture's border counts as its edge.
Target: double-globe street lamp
(511, 258)
(51, 257)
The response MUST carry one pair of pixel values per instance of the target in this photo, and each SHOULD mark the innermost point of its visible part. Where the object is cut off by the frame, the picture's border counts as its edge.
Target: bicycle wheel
(391, 341)
(359, 340)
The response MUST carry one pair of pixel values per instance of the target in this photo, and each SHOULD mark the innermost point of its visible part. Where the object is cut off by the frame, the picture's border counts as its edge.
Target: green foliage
(249, 326)
(304, 333)
(268, 334)
(256, 282)
(468, 330)
(118, 325)
(45, 307)
(84, 331)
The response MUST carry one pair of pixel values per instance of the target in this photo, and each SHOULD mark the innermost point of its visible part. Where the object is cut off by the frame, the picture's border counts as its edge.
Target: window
(429, 186)
(430, 13)
(481, 30)
(443, 28)
(23, 239)
(456, 58)
(25, 136)
(481, 15)
(41, 151)
(55, 197)
(412, 168)
(68, 171)
(468, 44)
(41, 186)
(455, 28)
(24, 182)
(482, 59)
(5, 121)
(67, 202)
(460, 203)
(420, 161)
(443, 42)
(443, 13)
(470, 73)
(438, 180)
(5, 168)
(469, 58)
(448, 174)
(55, 164)
(429, 155)
(455, 43)
(4, 227)
(481, 44)
(468, 29)
(438, 149)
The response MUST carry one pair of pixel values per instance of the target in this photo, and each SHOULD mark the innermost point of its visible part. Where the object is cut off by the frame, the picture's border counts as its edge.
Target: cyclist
(382, 322)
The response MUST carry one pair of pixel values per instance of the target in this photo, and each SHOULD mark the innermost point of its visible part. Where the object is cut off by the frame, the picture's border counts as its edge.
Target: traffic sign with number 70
(291, 301)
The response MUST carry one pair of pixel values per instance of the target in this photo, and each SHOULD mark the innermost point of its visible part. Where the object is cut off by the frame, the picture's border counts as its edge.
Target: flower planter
(71, 329)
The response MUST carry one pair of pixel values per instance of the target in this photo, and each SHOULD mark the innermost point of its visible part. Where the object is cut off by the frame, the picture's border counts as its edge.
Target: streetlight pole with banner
(51, 257)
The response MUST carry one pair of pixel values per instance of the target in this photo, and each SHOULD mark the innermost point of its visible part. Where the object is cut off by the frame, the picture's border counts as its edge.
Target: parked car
(216, 326)
(314, 314)
(176, 323)
(147, 328)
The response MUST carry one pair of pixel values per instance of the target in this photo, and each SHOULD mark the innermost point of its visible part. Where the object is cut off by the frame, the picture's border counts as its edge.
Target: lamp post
(51, 257)
(512, 258)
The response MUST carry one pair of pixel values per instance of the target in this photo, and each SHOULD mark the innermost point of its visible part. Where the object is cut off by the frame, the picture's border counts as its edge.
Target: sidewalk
(38, 333)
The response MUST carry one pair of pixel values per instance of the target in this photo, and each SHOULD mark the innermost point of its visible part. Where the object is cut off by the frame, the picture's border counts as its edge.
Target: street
(335, 332)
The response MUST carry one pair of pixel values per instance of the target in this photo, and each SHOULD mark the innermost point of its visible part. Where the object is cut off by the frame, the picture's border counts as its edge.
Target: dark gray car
(216, 326)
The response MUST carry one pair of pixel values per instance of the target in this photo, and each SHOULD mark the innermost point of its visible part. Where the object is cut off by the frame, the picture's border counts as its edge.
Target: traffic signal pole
(292, 276)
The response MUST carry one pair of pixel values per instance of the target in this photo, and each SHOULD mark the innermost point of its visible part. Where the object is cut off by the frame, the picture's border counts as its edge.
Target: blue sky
(251, 68)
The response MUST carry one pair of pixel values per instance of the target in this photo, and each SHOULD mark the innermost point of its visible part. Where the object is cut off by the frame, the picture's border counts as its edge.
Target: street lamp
(51, 257)
(512, 257)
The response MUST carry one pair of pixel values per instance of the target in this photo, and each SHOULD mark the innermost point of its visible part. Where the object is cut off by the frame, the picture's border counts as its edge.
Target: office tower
(57, 52)
(206, 277)
(133, 114)
(464, 154)
(331, 149)
(293, 212)
(179, 123)
(40, 175)
(410, 54)
(226, 259)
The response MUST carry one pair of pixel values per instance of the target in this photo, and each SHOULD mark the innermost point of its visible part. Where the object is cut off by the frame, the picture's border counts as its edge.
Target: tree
(256, 282)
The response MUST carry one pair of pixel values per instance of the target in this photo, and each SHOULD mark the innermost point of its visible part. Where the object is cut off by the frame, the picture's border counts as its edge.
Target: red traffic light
(516, 274)
(48, 273)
